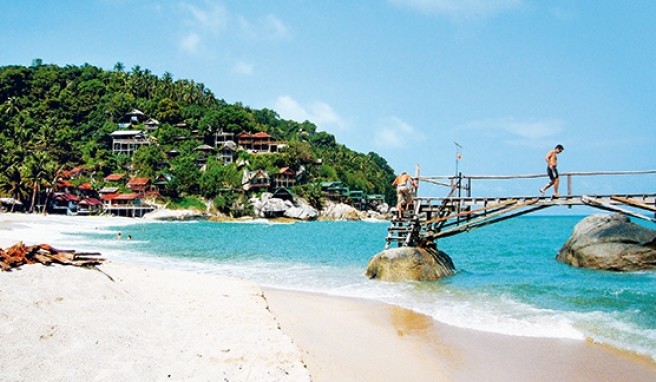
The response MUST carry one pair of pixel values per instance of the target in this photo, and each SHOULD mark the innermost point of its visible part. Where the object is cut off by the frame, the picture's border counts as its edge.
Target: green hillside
(56, 118)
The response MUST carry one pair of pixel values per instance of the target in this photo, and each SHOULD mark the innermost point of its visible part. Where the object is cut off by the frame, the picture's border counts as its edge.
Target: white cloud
(211, 19)
(243, 68)
(319, 113)
(207, 24)
(515, 132)
(190, 43)
(459, 8)
(394, 133)
(268, 27)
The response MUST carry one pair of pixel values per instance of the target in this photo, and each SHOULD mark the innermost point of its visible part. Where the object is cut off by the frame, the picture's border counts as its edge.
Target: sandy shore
(64, 323)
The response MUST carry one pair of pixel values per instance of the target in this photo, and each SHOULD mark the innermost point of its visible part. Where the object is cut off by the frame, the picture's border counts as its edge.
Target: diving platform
(432, 218)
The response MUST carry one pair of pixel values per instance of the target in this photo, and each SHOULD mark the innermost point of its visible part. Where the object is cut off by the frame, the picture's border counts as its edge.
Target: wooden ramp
(432, 218)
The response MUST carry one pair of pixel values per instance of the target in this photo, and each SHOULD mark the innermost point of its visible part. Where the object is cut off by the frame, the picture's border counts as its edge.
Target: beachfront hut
(90, 206)
(10, 205)
(63, 203)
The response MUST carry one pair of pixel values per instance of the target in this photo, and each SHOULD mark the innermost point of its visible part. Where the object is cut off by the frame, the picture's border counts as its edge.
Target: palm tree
(34, 171)
(11, 184)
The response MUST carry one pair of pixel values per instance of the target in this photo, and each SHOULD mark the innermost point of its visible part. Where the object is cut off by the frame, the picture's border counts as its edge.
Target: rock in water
(410, 263)
(610, 242)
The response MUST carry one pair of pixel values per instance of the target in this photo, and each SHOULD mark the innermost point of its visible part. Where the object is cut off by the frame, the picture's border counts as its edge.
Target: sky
(506, 80)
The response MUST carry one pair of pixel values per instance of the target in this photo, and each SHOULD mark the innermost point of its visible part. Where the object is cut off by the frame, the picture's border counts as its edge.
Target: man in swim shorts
(552, 169)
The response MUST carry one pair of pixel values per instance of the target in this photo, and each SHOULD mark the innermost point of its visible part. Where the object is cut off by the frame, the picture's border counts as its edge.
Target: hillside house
(255, 180)
(140, 186)
(151, 124)
(227, 152)
(259, 142)
(129, 141)
(286, 177)
(115, 178)
(221, 138)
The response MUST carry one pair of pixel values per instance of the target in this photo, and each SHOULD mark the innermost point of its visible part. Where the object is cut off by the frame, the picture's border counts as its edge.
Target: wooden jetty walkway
(432, 218)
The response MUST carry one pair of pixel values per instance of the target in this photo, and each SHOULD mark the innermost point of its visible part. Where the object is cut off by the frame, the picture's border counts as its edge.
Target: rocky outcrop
(342, 211)
(165, 214)
(267, 206)
(610, 242)
(410, 263)
(301, 212)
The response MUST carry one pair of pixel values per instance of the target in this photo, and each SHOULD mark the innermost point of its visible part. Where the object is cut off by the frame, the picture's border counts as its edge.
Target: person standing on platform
(403, 192)
(552, 169)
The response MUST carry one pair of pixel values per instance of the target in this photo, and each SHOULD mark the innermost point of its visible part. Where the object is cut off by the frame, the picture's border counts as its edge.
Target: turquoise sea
(508, 280)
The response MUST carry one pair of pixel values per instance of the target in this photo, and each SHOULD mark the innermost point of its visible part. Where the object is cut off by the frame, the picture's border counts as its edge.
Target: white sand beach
(61, 323)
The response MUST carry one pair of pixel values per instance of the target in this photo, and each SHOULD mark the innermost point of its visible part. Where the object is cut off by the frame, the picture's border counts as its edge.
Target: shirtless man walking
(403, 195)
(552, 170)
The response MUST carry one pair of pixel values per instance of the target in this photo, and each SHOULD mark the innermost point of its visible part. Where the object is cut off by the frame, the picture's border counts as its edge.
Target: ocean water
(507, 279)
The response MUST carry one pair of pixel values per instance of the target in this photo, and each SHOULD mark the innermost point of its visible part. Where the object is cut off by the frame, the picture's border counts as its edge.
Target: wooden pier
(432, 218)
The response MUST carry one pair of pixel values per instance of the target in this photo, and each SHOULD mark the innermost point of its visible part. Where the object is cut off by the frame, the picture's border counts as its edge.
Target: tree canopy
(54, 118)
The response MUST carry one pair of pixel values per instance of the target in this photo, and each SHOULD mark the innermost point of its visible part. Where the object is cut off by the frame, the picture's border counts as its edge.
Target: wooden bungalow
(228, 152)
(357, 199)
(335, 190)
(141, 186)
(163, 183)
(63, 203)
(286, 177)
(129, 205)
(151, 124)
(64, 185)
(205, 151)
(255, 180)
(115, 178)
(90, 206)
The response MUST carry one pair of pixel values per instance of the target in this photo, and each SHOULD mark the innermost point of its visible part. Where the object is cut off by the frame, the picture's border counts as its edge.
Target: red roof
(64, 183)
(114, 177)
(138, 182)
(67, 197)
(90, 202)
(244, 134)
(131, 196)
(85, 187)
(108, 197)
(261, 134)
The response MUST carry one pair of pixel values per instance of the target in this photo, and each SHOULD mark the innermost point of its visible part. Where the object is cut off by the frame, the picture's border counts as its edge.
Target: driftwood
(20, 254)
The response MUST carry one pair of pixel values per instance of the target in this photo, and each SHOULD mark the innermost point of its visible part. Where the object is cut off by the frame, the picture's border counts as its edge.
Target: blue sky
(506, 79)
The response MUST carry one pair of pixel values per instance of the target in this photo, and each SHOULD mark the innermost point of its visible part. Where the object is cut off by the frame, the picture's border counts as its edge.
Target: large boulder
(340, 211)
(410, 263)
(610, 242)
(301, 212)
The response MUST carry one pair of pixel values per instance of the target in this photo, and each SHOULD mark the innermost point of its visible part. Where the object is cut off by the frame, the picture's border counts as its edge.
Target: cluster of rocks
(266, 206)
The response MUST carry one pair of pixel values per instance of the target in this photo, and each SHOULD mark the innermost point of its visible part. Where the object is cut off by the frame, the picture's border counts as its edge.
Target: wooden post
(414, 200)
(569, 185)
